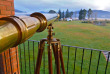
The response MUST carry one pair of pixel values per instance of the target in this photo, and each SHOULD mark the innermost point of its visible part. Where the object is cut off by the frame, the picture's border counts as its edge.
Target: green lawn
(80, 34)
(74, 33)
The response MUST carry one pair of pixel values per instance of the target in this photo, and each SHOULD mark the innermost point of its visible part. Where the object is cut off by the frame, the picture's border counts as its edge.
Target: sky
(73, 5)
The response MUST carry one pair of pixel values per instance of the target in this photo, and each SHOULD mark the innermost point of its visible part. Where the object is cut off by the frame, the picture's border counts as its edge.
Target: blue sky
(74, 5)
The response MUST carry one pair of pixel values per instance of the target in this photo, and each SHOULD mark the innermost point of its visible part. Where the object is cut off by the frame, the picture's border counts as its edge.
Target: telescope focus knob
(53, 33)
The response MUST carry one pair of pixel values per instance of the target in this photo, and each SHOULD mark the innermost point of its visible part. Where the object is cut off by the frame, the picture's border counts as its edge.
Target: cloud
(42, 5)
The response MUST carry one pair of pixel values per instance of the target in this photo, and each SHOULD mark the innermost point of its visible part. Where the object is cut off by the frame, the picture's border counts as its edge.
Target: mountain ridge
(100, 13)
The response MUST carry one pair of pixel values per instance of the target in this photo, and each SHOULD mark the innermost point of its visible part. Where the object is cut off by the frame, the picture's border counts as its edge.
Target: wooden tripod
(54, 44)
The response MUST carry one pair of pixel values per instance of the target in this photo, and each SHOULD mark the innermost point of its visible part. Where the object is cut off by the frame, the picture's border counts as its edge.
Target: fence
(77, 60)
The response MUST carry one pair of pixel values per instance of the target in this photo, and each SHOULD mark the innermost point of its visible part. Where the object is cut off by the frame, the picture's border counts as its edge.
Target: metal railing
(77, 60)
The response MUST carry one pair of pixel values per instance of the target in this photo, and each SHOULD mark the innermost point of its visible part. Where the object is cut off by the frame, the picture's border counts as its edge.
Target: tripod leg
(57, 58)
(50, 59)
(54, 51)
(39, 58)
(61, 58)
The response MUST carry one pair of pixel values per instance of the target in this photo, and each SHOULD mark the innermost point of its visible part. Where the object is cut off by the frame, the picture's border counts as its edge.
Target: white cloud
(102, 4)
(42, 5)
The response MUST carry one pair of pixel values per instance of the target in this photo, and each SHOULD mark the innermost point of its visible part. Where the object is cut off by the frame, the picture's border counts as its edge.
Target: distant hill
(19, 11)
(43, 12)
(100, 13)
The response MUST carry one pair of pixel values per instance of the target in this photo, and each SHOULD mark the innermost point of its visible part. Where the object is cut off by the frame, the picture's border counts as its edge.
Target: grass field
(79, 34)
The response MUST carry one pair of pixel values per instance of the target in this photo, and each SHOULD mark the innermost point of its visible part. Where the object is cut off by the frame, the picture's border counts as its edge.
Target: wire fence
(77, 60)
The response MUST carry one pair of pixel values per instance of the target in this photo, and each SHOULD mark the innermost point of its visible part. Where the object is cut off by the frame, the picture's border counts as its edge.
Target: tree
(84, 14)
(63, 15)
(95, 15)
(75, 14)
(52, 11)
(59, 12)
(89, 13)
(71, 14)
(67, 13)
(80, 14)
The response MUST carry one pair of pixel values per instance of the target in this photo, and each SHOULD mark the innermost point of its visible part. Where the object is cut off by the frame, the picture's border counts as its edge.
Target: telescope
(15, 30)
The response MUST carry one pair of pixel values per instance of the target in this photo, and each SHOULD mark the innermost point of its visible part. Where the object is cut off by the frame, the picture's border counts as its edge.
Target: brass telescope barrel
(15, 30)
